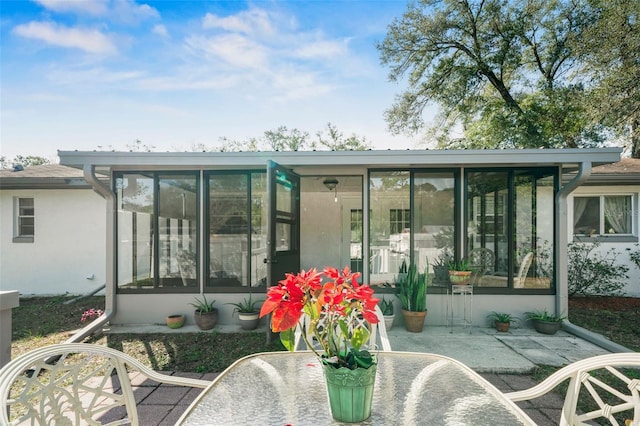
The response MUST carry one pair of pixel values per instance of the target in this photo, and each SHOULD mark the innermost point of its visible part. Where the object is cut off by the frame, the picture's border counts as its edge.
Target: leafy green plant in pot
(544, 322)
(502, 320)
(412, 292)
(205, 315)
(386, 306)
(460, 272)
(248, 314)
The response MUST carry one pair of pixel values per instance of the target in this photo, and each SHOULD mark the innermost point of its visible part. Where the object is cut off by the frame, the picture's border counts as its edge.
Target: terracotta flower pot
(460, 277)
(414, 321)
(502, 326)
(175, 321)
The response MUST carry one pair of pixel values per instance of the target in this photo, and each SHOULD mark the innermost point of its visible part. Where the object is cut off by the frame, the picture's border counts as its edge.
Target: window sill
(22, 239)
(605, 239)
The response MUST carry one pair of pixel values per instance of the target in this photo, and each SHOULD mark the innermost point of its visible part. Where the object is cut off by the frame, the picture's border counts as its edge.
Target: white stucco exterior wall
(632, 287)
(68, 246)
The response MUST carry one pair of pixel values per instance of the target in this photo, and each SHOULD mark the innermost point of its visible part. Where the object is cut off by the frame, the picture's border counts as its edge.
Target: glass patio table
(280, 388)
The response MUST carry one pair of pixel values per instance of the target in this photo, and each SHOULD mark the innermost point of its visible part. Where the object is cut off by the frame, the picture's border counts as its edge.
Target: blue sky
(99, 74)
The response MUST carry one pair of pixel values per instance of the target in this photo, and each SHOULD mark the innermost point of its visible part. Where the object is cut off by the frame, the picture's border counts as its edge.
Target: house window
(399, 220)
(24, 220)
(603, 215)
(356, 240)
(157, 232)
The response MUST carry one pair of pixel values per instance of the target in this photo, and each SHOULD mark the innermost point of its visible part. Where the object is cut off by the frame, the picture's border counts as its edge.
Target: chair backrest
(376, 329)
(482, 260)
(610, 389)
(519, 280)
(74, 383)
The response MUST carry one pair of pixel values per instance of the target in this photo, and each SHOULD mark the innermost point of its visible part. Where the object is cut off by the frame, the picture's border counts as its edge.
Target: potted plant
(460, 272)
(441, 269)
(412, 292)
(205, 315)
(336, 311)
(544, 322)
(502, 320)
(175, 321)
(386, 306)
(248, 313)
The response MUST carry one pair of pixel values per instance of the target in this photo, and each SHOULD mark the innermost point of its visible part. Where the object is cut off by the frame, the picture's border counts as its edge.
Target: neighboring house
(52, 231)
(605, 209)
(226, 224)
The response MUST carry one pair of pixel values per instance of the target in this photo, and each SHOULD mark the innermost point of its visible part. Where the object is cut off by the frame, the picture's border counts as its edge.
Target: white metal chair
(379, 328)
(610, 400)
(518, 280)
(73, 384)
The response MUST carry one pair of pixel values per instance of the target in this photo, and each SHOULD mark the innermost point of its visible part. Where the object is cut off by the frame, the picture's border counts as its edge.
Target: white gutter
(110, 299)
(562, 262)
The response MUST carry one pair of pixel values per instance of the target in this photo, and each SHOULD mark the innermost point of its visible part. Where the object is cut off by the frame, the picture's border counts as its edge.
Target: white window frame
(600, 234)
(18, 236)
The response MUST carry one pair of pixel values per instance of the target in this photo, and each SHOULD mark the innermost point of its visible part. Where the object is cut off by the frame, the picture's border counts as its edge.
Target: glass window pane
(228, 229)
(390, 224)
(283, 236)
(26, 227)
(135, 200)
(487, 202)
(541, 272)
(284, 194)
(258, 229)
(177, 219)
(617, 214)
(586, 215)
(434, 201)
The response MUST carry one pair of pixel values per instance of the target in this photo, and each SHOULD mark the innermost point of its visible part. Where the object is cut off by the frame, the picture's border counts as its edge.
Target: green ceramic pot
(350, 392)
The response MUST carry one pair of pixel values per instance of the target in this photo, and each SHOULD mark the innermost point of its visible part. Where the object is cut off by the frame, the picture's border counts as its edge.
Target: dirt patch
(609, 303)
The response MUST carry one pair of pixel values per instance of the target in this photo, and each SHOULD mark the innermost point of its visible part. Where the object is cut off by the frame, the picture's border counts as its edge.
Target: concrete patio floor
(504, 359)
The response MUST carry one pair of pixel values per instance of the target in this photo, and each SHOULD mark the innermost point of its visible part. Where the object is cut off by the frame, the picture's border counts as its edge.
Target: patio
(504, 359)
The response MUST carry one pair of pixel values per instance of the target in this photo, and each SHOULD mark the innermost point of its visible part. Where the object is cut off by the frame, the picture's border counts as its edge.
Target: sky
(101, 74)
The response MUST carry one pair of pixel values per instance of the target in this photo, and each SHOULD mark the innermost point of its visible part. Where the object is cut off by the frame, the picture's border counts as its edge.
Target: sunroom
(229, 224)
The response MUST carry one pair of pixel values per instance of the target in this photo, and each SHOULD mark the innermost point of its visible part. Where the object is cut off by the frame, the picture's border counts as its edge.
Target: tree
(499, 68)
(23, 160)
(285, 139)
(610, 50)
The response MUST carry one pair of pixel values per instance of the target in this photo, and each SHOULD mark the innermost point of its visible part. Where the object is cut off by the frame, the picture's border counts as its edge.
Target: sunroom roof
(568, 158)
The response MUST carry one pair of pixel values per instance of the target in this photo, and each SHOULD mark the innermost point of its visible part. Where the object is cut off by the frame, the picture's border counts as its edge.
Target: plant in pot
(502, 320)
(460, 272)
(248, 313)
(205, 315)
(175, 321)
(544, 322)
(386, 306)
(332, 308)
(412, 292)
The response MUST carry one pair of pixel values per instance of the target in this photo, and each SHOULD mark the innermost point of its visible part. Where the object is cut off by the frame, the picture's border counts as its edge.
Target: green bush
(594, 273)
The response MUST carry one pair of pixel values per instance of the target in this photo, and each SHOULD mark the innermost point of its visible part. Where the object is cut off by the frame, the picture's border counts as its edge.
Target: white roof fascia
(390, 158)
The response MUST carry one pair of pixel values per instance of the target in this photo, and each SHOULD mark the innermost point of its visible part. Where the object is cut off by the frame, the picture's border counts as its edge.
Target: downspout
(110, 300)
(562, 262)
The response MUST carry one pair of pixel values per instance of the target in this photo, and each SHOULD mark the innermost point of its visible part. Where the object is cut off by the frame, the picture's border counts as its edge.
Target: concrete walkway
(504, 359)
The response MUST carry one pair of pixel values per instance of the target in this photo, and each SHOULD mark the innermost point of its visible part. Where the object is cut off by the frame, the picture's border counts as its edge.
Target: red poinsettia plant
(338, 311)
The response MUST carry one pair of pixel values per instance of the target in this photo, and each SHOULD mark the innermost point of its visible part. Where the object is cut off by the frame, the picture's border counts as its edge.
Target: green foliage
(634, 255)
(544, 316)
(460, 265)
(593, 273)
(203, 305)
(412, 289)
(386, 306)
(23, 160)
(247, 306)
(502, 317)
(503, 71)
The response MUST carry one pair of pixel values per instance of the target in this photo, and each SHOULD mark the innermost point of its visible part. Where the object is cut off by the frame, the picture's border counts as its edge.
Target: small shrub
(594, 273)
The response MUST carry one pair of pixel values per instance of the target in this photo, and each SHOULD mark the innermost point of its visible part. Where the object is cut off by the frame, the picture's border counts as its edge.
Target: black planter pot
(547, 327)
(206, 320)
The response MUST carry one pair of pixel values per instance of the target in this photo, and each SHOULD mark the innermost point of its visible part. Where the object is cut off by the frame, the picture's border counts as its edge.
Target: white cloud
(233, 49)
(322, 49)
(160, 30)
(127, 11)
(253, 21)
(95, 7)
(88, 40)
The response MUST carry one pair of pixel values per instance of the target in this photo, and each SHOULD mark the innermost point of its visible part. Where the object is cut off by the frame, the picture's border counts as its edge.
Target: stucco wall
(68, 247)
(632, 287)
